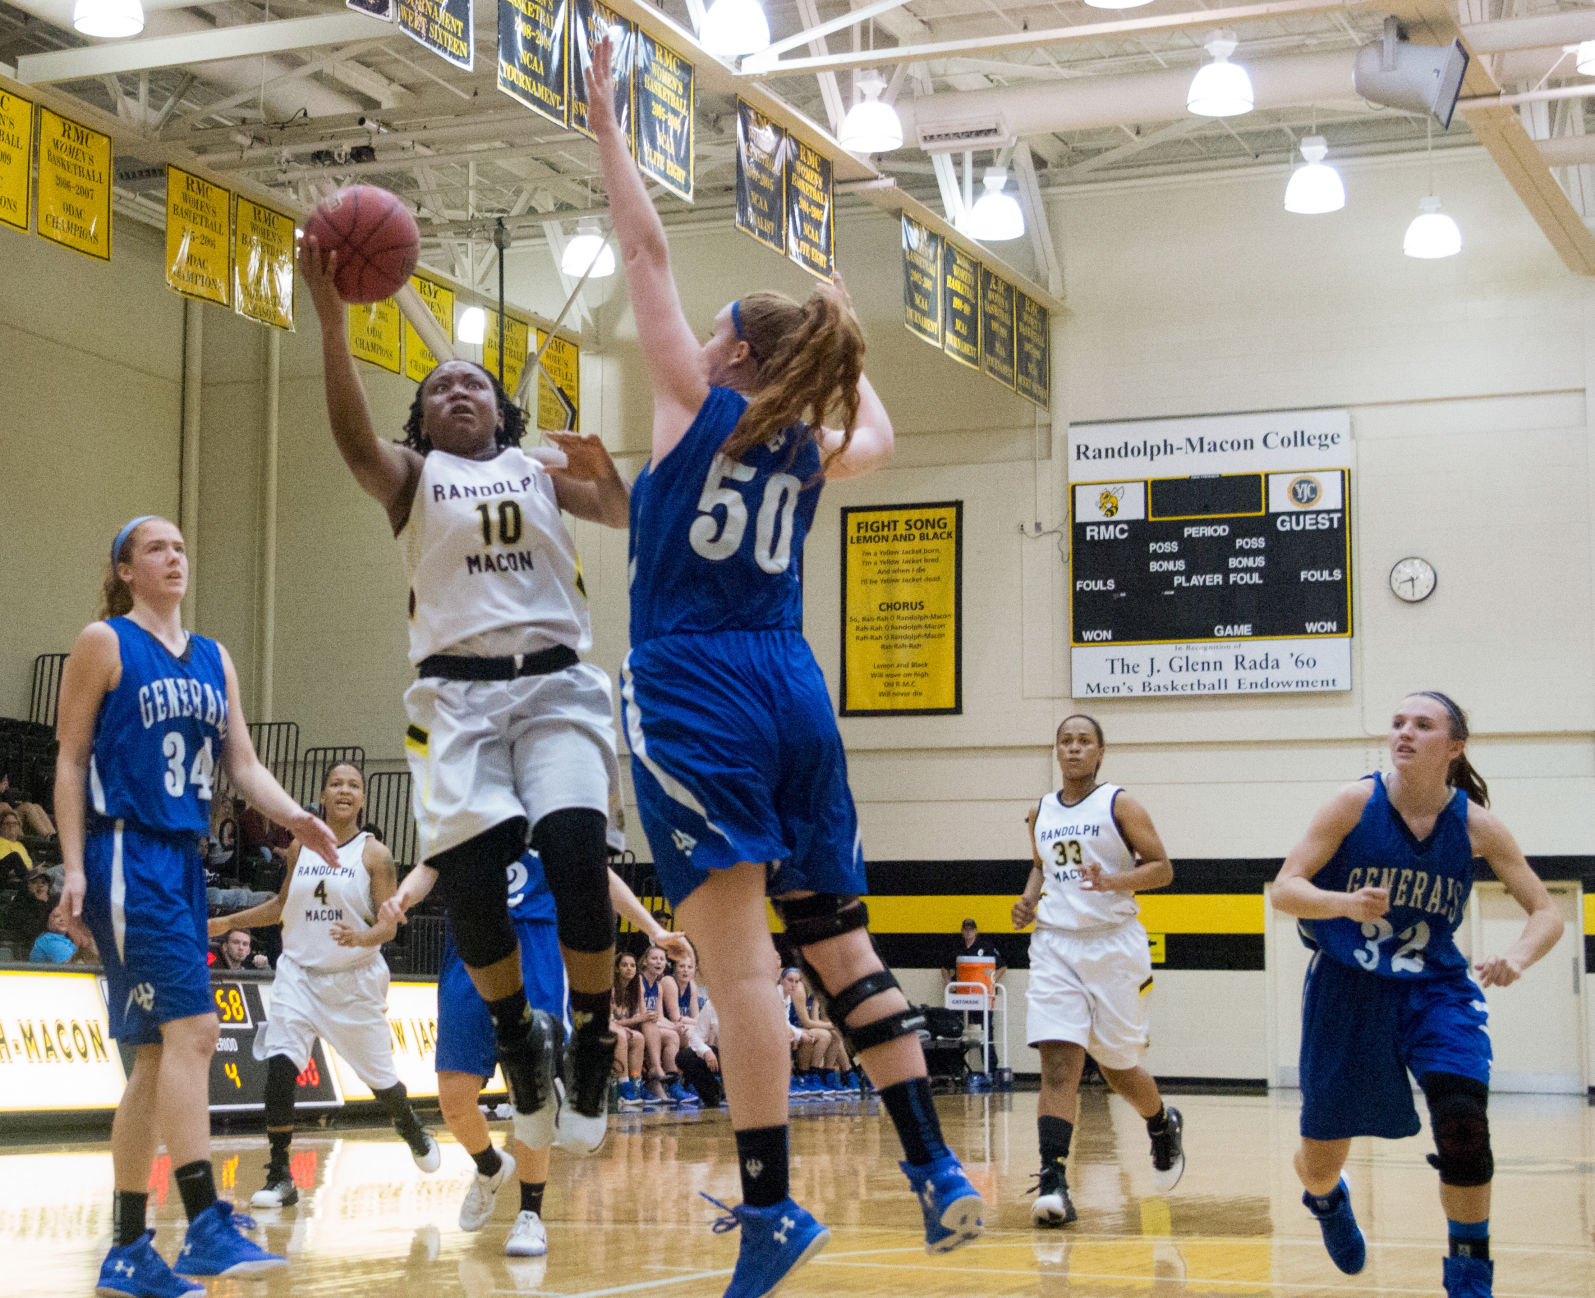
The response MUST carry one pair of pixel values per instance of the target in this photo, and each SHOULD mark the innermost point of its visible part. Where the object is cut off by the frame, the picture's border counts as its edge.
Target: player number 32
(717, 538)
(1407, 958)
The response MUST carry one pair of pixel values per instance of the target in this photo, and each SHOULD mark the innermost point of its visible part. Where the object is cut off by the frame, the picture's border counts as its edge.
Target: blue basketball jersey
(530, 901)
(690, 1000)
(1428, 882)
(716, 544)
(650, 993)
(159, 734)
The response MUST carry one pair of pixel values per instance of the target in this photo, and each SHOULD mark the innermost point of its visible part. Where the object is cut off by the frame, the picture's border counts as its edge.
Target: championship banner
(996, 327)
(56, 1050)
(74, 186)
(446, 27)
(1032, 351)
(810, 209)
(382, 9)
(902, 599)
(588, 21)
(960, 304)
(559, 403)
(662, 89)
(16, 160)
(418, 358)
(922, 281)
(761, 177)
(531, 56)
(199, 237)
(263, 264)
(374, 334)
(517, 346)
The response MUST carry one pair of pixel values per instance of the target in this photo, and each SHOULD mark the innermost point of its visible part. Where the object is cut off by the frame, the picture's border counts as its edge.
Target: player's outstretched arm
(1494, 842)
(1294, 892)
(417, 884)
(624, 900)
(264, 915)
(93, 668)
(590, 486)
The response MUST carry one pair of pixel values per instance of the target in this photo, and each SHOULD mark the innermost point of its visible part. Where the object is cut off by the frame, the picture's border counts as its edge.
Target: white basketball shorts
(1091, 989)
(483, 752)
(346, 1008)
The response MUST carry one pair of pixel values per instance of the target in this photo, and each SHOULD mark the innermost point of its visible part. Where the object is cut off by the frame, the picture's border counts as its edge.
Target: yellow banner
(74, 186)
(56, 1050)
(263, 264)
(559, 404)
(199, 237)
(517, 346)
(374, 334)
(418, 358)
(16, 159)
(901, 599)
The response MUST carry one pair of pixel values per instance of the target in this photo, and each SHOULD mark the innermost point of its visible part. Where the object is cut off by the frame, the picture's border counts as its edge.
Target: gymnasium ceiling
(1077, 96)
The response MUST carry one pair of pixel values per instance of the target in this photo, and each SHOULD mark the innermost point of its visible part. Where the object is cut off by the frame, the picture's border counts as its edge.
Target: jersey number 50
(718, 538)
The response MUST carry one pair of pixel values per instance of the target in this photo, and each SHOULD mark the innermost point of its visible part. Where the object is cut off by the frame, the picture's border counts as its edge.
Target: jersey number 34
(716, 537)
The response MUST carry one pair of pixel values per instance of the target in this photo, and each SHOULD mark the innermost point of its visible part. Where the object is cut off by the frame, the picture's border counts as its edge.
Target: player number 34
(179, 775)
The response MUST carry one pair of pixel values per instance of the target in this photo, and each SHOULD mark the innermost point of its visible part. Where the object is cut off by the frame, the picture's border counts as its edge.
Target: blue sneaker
(950, 1203)
(797, 1091)
(1468, 1277)
(776, 1241)
(630, 1095)
(1341, 1236)
(681, 1097)
(216, 1245)
(137, 1270)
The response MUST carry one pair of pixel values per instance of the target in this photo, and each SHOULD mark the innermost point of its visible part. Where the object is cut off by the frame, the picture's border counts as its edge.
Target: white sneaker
(536, 1130)
(578, 1134)
(478, 1205)
(527, 1238)
(424, 1149)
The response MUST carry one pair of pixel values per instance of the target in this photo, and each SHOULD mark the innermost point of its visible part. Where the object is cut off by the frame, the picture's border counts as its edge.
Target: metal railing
(45, 695)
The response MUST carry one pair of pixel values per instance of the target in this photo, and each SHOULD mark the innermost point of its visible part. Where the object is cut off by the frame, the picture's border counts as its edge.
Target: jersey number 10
(715, 538)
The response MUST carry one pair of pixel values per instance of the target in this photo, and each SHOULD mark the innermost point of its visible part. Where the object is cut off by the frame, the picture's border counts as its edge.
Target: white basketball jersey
(485, 548)
(324, 893)
(1067, 838)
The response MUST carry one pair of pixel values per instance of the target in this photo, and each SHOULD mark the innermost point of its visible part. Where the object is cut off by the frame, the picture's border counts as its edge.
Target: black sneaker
(1052, 1207)
(583, 1113)
(1168, 1152)
(279, 1190)
(529, 1070)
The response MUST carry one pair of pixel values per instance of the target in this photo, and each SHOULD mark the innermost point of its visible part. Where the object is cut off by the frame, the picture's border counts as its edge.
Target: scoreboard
(1215, 583)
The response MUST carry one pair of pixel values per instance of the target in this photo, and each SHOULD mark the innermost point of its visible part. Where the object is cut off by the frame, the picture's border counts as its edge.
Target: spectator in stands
(26, 916)
(698, 1027)
(236, 951)
(659, 1031)
(827, 1056)
(15, 863)
(628, 1015)
(53, 946)
(31, 813)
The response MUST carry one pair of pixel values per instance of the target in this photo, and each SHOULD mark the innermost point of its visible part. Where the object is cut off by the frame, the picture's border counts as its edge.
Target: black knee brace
(826, 915)
(474, 889)
(281, 1075)
(1461, 1124)
(576, 865)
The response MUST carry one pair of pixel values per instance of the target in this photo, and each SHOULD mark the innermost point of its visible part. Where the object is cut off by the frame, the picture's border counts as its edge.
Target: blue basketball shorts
(144, 902)
(736, 757)
(465, 1028)
(1363, 1034)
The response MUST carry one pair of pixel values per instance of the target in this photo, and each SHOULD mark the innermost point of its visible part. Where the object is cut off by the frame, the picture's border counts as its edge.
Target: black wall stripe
(1235, 951)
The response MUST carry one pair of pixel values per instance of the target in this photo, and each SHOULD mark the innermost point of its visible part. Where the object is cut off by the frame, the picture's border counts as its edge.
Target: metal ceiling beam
(770, 53)
(199, 47)
(1208, 19)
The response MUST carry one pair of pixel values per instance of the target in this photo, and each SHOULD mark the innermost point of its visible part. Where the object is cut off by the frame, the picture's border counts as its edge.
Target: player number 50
(717, 538)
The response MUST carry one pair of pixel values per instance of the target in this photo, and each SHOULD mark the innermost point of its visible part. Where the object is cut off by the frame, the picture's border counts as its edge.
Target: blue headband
(736, 323)
(127, 531)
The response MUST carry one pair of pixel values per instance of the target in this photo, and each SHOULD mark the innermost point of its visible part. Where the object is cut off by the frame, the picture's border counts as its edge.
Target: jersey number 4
(179, 775)
(716, 537)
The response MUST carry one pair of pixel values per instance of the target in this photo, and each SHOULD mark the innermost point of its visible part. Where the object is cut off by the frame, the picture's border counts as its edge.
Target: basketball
(375, 237)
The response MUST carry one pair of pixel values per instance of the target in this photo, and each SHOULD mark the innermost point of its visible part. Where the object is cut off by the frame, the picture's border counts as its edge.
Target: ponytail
(810, 360)
(1461, 774)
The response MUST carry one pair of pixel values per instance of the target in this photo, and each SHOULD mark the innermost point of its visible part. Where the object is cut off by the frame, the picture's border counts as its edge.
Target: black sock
(127, 1216)
(488, 1161)
(914, 1116)
(1055, 1134)
(510, 1015)
(532, 1196)
(589, 1011)
(1158, 1121)
(396, 1100)
(279, 1142)
(762, 1160)
(197, 1184)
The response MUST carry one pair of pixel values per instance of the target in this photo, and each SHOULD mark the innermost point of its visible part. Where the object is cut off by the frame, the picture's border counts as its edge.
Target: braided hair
(511, 429)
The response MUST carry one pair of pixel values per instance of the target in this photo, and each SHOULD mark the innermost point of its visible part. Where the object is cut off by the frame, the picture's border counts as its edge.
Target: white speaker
(1416, 78)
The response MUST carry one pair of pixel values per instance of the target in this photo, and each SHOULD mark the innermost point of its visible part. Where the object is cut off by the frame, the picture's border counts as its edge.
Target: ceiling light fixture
(111, 19)
(1315, 187)
(1117, 4)
(588, 247)
(1220, 88)
(871, 126)
(996, 216)
(1585, 58)
(1432, 234)
(473, 325)
(733, 29)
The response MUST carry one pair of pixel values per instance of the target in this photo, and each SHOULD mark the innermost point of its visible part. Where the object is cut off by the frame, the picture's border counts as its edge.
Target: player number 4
(718, 538)
(179, 775)
(1407, 958)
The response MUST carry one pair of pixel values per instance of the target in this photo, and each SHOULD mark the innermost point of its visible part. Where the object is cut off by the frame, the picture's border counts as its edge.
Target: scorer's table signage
(1211, 555)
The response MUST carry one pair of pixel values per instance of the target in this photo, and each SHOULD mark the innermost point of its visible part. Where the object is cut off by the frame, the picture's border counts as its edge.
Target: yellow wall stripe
(1589, 912)
(1178, 913)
